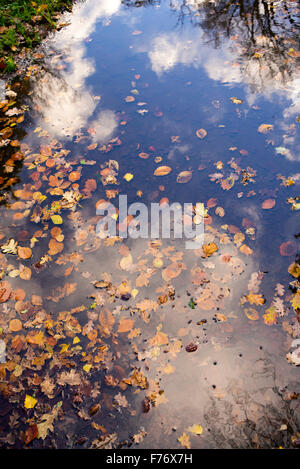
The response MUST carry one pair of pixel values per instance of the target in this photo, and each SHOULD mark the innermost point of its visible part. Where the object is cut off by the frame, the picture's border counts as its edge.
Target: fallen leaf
(201, 133)
(184, 176)
(162, 171)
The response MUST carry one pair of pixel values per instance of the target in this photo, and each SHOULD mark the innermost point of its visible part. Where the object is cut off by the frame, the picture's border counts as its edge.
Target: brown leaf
(184, 177)
(267, 204)
(5, 291)
(201, 133)
(30, 434)
(288, 249)
(162, 171)
(24, 253)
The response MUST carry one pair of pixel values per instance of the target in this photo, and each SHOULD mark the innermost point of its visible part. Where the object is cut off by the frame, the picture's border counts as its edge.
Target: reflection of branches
(263, 33)
(246, 421)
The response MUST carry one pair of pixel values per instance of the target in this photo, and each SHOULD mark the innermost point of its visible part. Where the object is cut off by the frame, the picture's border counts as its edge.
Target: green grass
(23, 23)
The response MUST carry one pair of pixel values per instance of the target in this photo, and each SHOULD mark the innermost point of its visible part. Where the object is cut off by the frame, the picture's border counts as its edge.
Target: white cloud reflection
(64, 101)
(166, 51)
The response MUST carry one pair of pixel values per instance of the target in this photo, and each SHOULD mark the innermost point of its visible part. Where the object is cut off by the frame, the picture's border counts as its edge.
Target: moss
(23, 23)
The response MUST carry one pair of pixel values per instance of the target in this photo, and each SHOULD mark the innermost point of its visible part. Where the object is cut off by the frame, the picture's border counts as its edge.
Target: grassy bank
(23, 25)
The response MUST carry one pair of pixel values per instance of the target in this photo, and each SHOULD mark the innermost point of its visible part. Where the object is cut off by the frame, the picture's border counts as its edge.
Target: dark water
(231, 69)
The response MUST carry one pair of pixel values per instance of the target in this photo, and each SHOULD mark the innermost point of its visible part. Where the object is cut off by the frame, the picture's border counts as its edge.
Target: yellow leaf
(296, 300)
(209, 249)
(196, 429)
(162, 171)
(255, 299)
(184, 440)
(294, 270)
(134, 292)
(87, 368)
(126, 262)
(270, 316)
(57, 220)
(30, 402)
(251, 314)
(76, 340)
(64, 348)
(128, 177)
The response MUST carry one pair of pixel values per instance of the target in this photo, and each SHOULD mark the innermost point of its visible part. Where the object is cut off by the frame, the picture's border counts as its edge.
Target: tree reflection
(264, 34)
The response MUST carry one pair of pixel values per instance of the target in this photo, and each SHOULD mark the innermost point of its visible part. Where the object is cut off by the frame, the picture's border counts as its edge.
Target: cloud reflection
(63, 100)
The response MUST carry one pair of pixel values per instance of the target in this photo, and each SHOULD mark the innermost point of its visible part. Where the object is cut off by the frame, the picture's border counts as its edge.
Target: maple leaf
(270, 316)
(255, 299)
(295, 301)
(184, 440)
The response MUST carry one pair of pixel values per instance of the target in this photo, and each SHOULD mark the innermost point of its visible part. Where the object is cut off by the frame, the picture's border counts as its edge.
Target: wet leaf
(125, 325)
(30, 434)
(126, 262)
(15, 325)
(184, 177)
(270, 317)
(56, 219)
(128, 177)
(5, 291)
(288, 249)
(162, 171)
(184, 440)
(255, 299)
(251, 314)
(24, 252)
(265, 128)
(201, 133)
(209, 249)
(196, 429)
(29, 402)
(269, 203)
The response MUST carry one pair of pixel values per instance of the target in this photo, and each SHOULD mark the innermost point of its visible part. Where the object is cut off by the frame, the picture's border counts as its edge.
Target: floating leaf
(126, 262)
(125, 325)
(29, 402)
(251, 314)
(24, 252)
(265, 128)
(57, 219)
(128, 177)
(162, 171)
(270, 317)
(5, 291)
(184, 440)
(267, 204)
(201, 133)
(196, 429)
(236, 100)
(184, 176)
(255, 299)
(209, 249)
(294, 270)
(288, 249)
(15, 325)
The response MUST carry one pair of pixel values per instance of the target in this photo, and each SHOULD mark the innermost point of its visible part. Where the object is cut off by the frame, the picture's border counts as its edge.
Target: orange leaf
(162, 171)
(201, 133)
(24, 253)
(125, 325)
